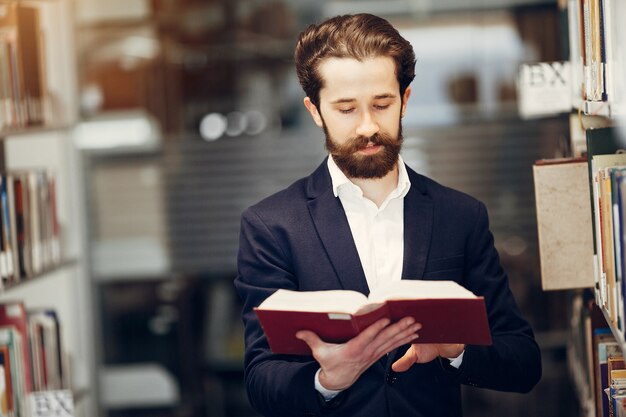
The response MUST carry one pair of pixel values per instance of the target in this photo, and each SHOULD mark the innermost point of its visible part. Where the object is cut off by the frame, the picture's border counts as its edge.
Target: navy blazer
(299, 239)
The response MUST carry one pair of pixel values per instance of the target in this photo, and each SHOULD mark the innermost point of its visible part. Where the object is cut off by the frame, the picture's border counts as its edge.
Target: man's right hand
(342, 364)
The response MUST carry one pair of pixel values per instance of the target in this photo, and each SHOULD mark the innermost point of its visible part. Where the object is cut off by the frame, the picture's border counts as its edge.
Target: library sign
(51, 404)
(544, 89)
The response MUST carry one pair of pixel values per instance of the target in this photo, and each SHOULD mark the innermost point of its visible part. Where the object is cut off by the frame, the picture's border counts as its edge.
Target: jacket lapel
(418, 225)
(334, 231)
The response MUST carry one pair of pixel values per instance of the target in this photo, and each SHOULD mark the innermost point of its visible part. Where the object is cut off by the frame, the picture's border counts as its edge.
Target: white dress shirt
(378, 234)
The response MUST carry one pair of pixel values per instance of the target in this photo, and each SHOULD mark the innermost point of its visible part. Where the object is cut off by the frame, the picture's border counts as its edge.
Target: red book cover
(453, 319)
(14, 314)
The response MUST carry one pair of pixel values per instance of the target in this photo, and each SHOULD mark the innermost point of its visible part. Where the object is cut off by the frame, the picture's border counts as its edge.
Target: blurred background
(191, 111)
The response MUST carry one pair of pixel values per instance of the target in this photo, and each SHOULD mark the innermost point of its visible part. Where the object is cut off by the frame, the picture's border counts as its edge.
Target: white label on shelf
(544, 89)
(51, 404)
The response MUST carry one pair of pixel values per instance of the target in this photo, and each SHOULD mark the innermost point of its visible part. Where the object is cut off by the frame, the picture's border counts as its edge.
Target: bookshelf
(597, 47)
(38, 110)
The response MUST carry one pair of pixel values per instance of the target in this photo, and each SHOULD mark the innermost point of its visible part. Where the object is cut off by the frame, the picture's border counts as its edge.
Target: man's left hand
(423, 353)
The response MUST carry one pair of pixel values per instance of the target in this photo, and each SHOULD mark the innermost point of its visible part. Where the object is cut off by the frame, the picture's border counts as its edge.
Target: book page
(408, 289)
(332, 301)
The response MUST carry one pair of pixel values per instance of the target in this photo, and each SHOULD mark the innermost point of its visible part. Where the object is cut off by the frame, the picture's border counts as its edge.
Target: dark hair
(358, 36)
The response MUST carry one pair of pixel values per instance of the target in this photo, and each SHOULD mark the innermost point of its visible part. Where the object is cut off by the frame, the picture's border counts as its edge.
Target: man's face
(360, 110)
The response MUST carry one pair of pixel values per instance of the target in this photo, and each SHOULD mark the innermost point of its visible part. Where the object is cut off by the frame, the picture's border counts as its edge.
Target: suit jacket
(299, 239)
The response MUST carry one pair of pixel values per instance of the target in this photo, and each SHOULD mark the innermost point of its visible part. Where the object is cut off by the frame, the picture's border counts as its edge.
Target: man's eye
(346, 111)
(381, 107)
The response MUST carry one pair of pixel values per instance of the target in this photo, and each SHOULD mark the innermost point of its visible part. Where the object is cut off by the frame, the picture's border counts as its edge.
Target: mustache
(359, 142)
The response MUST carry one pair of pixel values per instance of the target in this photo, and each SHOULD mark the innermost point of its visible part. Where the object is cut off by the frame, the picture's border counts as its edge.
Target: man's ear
(405, 99)
(315, 114)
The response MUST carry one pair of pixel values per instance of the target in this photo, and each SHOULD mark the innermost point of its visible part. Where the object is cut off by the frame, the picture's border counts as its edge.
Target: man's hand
(342, 364)
(423, 353)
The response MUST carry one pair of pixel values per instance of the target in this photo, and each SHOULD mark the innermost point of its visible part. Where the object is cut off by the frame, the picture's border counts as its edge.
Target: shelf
(32, 130)
(617, 333)
(596, 108)
(410, 8)
(41, 275)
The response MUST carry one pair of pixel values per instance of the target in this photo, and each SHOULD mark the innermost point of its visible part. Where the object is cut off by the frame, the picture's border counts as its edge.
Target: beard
(356, 165)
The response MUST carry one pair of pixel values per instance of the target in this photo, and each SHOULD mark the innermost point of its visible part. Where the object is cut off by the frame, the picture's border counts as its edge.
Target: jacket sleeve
(513, 361)
(277, 385)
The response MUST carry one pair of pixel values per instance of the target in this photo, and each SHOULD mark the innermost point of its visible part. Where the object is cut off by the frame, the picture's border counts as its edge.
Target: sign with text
(51, 404)
(544, 89)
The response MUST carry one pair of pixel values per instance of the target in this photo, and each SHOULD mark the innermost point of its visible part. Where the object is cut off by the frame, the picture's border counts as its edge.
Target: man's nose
(367, 125)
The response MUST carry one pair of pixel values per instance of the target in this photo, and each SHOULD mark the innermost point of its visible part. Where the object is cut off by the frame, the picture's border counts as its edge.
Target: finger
(310, 338)
(368, 335)
(392, 345)
(388, 332)
(406, 361)
(398, 339)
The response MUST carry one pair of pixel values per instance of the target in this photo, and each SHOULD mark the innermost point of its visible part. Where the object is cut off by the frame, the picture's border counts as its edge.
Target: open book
(448, 313)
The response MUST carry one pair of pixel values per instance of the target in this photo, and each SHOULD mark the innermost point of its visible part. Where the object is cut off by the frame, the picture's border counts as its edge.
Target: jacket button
(391, 378)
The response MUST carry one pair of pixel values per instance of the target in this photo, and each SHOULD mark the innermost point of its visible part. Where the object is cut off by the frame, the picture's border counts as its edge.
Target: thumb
(406, 361)
(310, 338)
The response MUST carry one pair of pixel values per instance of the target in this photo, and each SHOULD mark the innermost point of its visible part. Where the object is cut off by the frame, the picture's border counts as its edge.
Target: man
(363, 219)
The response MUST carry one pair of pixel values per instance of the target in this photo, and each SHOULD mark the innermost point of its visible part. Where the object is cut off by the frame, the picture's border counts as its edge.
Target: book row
(23, 97)
(596, 361)
(608, 195)
(31, 356)
(29, 228)
(591, 47)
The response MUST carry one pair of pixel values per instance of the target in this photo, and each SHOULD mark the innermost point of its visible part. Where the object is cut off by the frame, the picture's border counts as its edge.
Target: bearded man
(361, 220)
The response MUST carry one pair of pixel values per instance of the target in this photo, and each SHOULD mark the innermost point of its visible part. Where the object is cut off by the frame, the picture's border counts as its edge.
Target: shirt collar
(339, 179)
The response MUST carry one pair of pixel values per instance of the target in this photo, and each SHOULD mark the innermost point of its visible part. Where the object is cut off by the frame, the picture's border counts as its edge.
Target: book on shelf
(10, 89)
(617, 393)
(32, 56)
(609, 280)
(576, 50)
(23, 86)
(564, 223)
(13, 316)
(605, 346)
(595, 55)
(30, 234)
(49, 363)
(448, 313)
(615, 364)
(607, 166)
(6, 380)
(595, 58)
(11, 351)
(7, 386)
(31, 354)
(22, 225)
